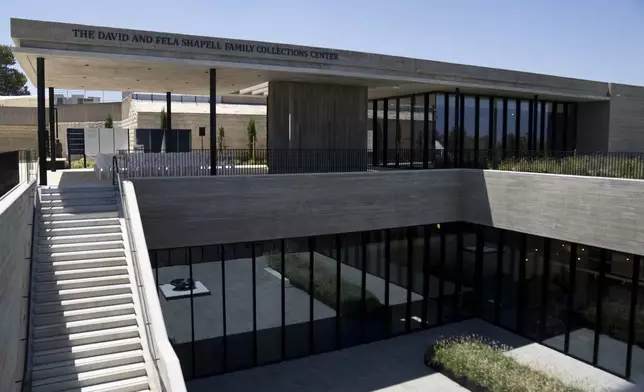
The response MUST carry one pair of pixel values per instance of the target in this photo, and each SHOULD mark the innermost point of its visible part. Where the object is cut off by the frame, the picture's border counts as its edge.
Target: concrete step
(63, 216)
(81, 365)
(78, 209)
(62, 232)
(80, 238)
(54, 189)
(87, 264)
(82, 338)
(137, 384)
(92, 324)
(64, 284)
(85, 292)
(80, 222)
(56, 276)
(86, 350)
(81, 255)
(66, 201)
(79, 246)
(90, 378)
(82, 303)
(83, 314)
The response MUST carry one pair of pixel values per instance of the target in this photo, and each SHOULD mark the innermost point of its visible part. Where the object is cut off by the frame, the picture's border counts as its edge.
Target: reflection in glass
(558, 289)
(511, 127)
(498, 123)
(533, 284)
(524, 126)
(379, 135)
(440, 121)
(484, 123)
(451, 140)
(615, 314)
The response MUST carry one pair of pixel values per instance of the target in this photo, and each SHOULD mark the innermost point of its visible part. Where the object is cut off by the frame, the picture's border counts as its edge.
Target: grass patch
(582, 165)
(485, 364)
(325, 285)
(78, 164)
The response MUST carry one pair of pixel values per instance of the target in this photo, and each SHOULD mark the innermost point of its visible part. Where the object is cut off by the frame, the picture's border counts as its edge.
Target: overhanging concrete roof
(104, 58)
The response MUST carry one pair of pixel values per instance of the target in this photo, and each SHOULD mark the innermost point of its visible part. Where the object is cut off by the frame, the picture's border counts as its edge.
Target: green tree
(252, 136)
(109, 123)
(12, 81)
(163, 119)
(221, 138)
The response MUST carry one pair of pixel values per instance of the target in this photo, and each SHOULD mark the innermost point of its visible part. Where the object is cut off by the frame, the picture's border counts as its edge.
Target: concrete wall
(16, 210)
(234, 127)
(626, 118)
(308, 115)
(226, 209)
(599, 212)
(593, 122)
(602, 212)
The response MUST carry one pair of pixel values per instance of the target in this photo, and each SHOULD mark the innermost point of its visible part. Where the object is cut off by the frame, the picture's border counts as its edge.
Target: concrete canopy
(103, 58)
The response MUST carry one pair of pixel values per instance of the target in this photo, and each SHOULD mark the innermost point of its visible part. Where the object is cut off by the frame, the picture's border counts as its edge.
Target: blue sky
(588, 39)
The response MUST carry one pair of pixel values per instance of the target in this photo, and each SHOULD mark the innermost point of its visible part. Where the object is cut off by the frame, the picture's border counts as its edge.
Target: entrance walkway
(397, 365)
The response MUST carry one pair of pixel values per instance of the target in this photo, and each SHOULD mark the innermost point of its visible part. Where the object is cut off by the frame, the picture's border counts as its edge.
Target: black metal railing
(282, 161)
(16, 166)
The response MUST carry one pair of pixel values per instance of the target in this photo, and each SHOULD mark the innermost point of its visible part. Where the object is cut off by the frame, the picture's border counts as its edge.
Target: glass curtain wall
(259, 303)
(456, 133)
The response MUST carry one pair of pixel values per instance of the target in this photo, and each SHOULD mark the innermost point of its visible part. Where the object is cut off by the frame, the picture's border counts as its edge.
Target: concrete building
(393, 195)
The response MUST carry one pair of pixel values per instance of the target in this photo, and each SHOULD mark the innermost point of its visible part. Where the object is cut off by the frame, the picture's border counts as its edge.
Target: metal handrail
(137, 273)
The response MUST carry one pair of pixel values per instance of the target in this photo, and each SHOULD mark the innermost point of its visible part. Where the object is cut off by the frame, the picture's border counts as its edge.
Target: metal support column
(168, 118)
(42, 131)
(52, 128)
(213, 122)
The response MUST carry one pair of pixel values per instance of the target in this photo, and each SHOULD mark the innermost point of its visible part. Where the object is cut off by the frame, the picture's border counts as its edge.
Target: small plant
(252, 136)
(221, 138)
(163, 117)
(484, 362)
(79, 164)
(109, 123)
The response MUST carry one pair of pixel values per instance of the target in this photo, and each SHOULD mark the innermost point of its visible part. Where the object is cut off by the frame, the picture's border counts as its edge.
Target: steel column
(213, 122)
(42, 131)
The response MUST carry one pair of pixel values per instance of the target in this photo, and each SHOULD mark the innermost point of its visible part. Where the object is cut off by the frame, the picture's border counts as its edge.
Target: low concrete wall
(601, 212)
(16, 211)
(194, 211)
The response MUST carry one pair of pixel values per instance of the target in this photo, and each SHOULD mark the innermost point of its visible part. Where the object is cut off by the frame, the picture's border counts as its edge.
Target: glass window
(268, 286)
(418, 136)
(615, 315)
(524, 126)
(403, 133)
(510, 279)
(498, 123)
(325, 282)
(469, 134)
(415, 249)
(440, 121)
(452, 125)
(571, 124)
(392, 126)
(380, 129)
(557, 295)
(538, 144)
(432, 233)
(398, 280)
(484, 123)
(533, 281)
(582, 328)
(547, 128)
(375, 286)
(489, 266)
(351, 290)
(297, 296)
(511, 127)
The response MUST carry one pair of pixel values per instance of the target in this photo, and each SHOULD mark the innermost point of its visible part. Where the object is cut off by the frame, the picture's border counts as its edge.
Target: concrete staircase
(85, 333)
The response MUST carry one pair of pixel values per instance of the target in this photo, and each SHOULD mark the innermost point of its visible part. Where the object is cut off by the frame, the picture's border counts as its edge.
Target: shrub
(485, 364)
(581, 165)
(78, 164)
(109, 123)
(324, 285)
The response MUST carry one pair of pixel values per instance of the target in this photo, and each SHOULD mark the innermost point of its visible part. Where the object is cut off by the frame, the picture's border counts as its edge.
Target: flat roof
(106, 58)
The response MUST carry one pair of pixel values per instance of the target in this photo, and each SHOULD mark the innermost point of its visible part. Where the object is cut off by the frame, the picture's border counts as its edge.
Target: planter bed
(481, 366)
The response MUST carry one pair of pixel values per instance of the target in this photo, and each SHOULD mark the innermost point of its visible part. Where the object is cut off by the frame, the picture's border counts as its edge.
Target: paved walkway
(397, 365)
(76, 178)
